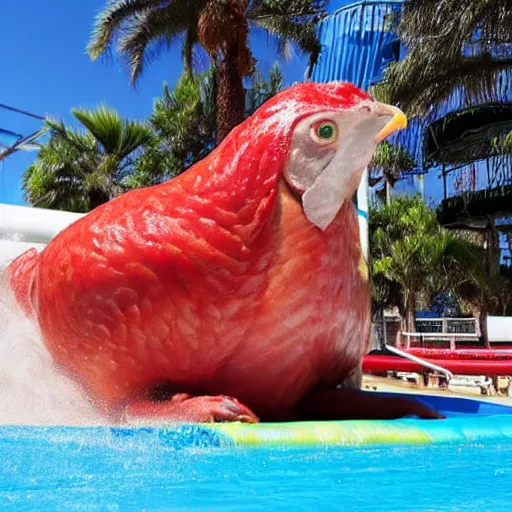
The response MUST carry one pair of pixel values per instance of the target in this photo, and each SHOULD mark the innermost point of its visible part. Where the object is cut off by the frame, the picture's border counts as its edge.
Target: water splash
(32, 390)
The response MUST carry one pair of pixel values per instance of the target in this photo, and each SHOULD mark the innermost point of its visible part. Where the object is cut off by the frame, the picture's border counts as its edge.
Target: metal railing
(447, 325)
(427, 364)
(438, 336)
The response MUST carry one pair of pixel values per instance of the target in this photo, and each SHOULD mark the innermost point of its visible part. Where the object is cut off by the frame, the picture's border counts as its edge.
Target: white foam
(32, 390)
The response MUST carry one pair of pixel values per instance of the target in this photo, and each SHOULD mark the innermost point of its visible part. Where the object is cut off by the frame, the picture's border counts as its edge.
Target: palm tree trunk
(483, 329)
(481, 315)
(410, 312)
(378, 320)
(493, 248)
(411, 319)
(230, 93)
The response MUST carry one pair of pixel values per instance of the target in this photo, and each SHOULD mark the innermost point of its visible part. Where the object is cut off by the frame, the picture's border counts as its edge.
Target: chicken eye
(325, 132)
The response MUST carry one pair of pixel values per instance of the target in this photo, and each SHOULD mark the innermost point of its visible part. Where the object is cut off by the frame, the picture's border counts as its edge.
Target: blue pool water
(81, 470)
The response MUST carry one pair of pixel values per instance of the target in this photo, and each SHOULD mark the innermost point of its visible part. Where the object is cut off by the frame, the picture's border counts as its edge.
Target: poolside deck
(374, 383)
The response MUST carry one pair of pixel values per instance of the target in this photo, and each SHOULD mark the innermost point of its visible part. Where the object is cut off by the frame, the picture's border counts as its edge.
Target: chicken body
(243, 277)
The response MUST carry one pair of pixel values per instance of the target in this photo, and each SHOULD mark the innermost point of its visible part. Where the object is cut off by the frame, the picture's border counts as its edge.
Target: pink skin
(236, 288)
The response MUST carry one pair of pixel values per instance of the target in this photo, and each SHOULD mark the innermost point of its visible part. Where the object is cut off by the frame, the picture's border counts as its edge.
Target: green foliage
(221, 28)
(290, 21)
(407, 244)
(388, 162)
(143, 29)
(413, 257)
(184, 124)
(78, 170)
(451, 44)
(184, 121)
(260, 90)
(392, 159)
(477, 290)
(501, 144)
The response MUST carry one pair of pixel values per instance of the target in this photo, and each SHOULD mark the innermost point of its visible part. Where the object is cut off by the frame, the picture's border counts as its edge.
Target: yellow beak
(397, 122)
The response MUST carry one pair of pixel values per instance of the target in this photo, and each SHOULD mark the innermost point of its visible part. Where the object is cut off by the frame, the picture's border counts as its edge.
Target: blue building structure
(358, 43)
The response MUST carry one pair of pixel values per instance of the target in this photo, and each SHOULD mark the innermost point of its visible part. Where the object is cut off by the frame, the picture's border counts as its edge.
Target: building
(472, 189)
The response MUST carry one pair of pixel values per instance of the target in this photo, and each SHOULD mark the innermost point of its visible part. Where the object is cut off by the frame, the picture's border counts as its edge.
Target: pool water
(96, 469)
(84, 470)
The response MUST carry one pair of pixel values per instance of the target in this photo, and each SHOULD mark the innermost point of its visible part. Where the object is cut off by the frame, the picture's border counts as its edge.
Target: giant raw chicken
(236, 291)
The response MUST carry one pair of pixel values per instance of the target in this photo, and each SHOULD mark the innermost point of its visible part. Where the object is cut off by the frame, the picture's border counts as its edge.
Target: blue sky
(45, 70)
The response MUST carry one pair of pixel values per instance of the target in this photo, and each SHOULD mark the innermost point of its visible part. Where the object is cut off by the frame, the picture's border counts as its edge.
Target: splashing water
(32, 390)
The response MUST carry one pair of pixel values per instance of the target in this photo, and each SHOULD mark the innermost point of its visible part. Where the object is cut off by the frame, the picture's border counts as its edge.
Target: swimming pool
(454, 466)
(80, 471)
(462, 463)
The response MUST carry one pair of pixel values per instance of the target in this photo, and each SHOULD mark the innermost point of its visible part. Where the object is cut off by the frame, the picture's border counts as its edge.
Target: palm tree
(79, 170)
(183, 121)
(144, 28)
(415, 259)
(388, 163)
(452, 44)
(477, 290)
(412, 256)
(458, 50)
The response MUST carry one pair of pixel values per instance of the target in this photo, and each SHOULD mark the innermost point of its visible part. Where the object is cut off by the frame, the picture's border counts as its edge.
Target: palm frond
(285, 30)
(67, 137)
(287, 22)
(134, 135)
(275, 79)
(260, 89)
(148, 34)
(190, 40)
(208, 93)
(422, 91)
(79, 170)
(391, 160)
(117, 136)
(54, 187)
(456, 23)
(305, 9)
(174, 111)
(110, 19)
(104, 123)
(413, 257)
(453, 45)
